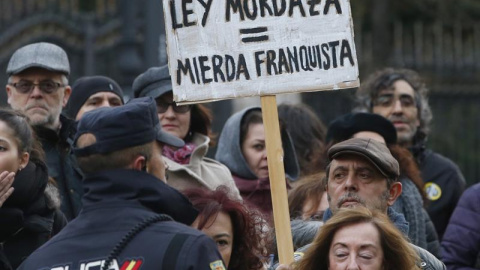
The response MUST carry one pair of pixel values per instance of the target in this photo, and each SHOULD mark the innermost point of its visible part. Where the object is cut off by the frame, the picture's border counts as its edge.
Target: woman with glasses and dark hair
(187, 166)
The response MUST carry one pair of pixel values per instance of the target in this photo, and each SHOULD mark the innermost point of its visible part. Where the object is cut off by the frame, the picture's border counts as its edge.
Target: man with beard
(363, 173)
(401, 96)
(38, 87)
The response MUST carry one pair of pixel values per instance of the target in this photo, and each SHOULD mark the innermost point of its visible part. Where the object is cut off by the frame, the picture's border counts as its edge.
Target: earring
(20, 168)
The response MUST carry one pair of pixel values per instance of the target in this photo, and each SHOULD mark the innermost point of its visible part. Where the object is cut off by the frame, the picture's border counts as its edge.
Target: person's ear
(66, 95)
(24, 158)
(394, 192)
(140, 163)
(9, 93)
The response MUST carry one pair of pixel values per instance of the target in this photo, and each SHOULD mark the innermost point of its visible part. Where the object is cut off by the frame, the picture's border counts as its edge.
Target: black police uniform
(115, 201)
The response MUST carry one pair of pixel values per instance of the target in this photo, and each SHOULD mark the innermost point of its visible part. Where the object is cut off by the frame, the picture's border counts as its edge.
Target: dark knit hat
(344, 127)
(85, 87)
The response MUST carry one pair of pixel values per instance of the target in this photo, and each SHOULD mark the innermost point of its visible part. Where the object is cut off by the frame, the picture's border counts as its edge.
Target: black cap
(376, 152)
(154, 82)
(344, 127)
(85, 87)
(132, 124)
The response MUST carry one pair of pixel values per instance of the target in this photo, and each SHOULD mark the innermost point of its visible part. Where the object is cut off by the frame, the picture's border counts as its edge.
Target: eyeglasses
(162, 107)
(387, 100)
(46, 87)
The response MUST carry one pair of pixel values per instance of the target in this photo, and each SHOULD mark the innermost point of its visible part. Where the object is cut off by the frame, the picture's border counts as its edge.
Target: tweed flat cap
(345, 126)
(154, 82)
(42, 55)
(117, 128)
(376, 152)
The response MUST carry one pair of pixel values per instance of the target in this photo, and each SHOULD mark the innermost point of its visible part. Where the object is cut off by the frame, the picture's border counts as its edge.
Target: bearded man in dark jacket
(400, 95)
(38, 87)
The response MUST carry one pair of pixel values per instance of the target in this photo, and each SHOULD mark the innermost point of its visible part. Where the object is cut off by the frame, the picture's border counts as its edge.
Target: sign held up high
(221, 49)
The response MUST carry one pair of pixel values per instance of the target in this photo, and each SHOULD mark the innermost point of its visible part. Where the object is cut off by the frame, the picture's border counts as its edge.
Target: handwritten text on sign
(222, 49)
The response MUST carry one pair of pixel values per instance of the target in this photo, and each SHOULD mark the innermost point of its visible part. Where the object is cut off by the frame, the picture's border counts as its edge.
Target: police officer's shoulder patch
(217, 265)
(433, 191)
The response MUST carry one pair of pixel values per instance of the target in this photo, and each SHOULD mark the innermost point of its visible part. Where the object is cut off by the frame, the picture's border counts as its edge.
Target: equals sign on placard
(255, 34)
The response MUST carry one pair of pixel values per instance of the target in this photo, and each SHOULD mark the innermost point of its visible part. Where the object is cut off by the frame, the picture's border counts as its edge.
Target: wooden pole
(276, 172)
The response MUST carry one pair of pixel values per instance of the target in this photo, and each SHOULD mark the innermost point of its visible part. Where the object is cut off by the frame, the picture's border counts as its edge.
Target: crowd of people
(90, 181)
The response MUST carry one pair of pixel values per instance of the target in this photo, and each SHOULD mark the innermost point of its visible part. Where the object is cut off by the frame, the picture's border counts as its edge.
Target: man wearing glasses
(400, 96)
(38, 86)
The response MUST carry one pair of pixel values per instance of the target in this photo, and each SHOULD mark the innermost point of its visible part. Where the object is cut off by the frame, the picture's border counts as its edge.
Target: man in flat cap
(130, 219)
(362, 172)
(93, 92)
(38, 86)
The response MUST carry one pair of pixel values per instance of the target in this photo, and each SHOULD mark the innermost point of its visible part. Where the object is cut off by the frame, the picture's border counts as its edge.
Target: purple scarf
(181, 155)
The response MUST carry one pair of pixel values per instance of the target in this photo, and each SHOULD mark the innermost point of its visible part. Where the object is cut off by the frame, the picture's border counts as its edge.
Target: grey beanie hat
(154, 82)
(42, 55)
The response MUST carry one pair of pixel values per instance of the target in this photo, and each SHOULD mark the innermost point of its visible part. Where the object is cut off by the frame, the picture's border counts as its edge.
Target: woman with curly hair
(238, 231)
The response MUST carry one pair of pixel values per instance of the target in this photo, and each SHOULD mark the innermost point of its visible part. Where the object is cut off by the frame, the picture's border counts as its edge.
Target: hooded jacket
(200, 171)
(30, 216)
(114, 202)
(229, 152)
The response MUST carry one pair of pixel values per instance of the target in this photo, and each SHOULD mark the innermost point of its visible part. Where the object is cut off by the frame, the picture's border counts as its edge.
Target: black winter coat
(30, 216)
(62, 165)
(116, 201)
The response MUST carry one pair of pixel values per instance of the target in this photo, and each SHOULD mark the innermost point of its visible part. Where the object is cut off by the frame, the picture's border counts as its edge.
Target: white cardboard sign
(220, 49)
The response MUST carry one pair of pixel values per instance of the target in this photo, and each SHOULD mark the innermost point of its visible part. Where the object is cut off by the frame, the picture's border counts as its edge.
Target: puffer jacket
(461, 242)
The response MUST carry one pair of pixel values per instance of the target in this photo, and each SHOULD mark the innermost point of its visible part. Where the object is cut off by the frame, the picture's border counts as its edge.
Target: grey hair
(384, 79)
(304, 231)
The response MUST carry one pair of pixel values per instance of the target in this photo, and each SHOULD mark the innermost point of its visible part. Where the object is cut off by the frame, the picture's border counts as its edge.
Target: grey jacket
(200, 171)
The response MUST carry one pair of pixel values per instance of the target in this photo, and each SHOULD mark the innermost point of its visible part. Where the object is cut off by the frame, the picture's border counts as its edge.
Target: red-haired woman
(238, 231)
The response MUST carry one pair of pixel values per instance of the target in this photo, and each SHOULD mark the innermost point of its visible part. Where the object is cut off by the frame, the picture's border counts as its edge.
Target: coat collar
(131, 186)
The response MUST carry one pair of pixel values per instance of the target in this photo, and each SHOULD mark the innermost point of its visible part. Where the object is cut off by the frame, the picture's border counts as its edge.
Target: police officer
(126, 220)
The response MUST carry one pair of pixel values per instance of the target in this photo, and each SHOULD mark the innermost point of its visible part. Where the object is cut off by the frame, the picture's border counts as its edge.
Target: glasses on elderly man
(46, 87)
(162, 107)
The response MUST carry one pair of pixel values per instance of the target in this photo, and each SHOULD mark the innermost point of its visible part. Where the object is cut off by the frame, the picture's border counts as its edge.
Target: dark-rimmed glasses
(46, 87)
(162, 107)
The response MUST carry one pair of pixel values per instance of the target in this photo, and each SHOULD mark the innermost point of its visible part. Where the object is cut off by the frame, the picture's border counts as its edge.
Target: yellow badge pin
(433, 191)
(217, 265)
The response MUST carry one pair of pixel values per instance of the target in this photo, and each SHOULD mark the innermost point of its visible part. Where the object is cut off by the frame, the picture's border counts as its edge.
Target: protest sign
(239, 48)
(220, 49)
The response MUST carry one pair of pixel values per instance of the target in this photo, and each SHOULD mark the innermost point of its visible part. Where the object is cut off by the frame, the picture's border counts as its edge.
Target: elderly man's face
(42, 108)
(354, 181)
